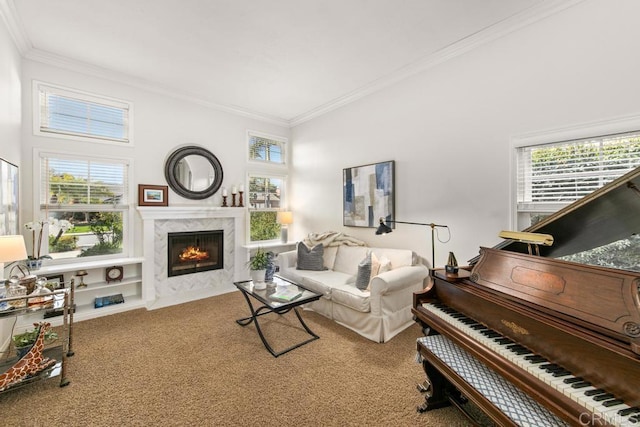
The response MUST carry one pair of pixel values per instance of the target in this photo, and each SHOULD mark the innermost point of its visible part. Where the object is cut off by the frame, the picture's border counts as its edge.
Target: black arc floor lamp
(384, 229)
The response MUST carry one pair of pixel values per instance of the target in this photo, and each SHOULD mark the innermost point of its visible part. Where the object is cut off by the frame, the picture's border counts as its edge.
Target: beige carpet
(191, 364)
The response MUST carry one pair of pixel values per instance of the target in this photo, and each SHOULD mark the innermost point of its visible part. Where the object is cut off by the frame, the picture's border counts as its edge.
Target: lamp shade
(12, 248)
(284, 217)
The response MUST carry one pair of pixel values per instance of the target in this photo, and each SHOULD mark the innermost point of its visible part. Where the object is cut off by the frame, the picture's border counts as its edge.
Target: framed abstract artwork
(368, 194)
(8, 198)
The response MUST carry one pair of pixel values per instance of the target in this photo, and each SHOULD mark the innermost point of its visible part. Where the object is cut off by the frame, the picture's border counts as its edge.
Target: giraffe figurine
(31, 363)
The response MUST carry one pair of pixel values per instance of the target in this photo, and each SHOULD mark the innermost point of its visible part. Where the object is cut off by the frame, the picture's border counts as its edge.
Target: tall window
(84, 203)
(267, 155)
(552, 176)
(69, 113)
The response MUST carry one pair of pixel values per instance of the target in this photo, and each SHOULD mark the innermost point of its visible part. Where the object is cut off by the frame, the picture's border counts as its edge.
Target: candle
(224, 191)
(241, 187)
(233, 190)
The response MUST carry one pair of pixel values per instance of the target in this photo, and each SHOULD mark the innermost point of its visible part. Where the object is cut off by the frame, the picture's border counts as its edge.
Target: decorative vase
(257, 277)
(271, 268)
(34, 264)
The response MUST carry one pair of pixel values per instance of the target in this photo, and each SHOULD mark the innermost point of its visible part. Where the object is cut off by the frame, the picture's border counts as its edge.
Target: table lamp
(284, 218)
(12, 248)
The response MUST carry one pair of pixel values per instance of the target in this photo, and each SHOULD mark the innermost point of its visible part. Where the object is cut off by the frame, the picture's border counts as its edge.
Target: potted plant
(258, 267)
(25, 340)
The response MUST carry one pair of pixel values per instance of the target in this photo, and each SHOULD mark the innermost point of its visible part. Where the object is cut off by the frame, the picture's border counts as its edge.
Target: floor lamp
(384, 229)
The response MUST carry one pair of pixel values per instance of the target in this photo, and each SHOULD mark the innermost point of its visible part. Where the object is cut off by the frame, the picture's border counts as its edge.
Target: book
(286, 293)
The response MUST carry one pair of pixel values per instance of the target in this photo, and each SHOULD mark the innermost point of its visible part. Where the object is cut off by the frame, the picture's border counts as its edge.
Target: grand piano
(536, 340)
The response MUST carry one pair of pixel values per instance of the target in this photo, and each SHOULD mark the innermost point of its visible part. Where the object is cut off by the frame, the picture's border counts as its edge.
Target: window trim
(85, 96)
(127, 213)
(267, 164)
(578, 131)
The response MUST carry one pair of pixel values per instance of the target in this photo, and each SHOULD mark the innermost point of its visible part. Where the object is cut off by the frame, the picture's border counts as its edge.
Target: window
(68, 113)
(266, 198)
(553, 175)
(267, 149)
(85, 204)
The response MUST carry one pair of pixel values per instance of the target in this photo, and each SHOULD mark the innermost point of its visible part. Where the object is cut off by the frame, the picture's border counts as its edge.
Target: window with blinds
(85, 202)
(554, 175)
(267, 149)
(73, 114)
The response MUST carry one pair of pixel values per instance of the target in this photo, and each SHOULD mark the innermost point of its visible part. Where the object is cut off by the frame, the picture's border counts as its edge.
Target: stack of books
(286, 293)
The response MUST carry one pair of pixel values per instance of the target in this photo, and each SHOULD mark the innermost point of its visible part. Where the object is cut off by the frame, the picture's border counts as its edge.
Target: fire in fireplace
(195, 251)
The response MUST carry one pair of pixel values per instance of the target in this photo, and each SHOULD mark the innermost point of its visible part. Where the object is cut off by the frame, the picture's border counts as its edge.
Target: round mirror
(193, 172)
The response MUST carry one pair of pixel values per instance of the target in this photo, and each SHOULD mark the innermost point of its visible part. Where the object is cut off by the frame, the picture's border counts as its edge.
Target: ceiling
(284, 61)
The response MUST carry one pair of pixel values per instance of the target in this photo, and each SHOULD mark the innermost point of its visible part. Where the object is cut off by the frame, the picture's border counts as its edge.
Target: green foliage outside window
(264, 226)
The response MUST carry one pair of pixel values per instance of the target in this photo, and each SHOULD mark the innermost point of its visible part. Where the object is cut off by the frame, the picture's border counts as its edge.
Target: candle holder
(224, 202)
(233, 200)
(240, 203)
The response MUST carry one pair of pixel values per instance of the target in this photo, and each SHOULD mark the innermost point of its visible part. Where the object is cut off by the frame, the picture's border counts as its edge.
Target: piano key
(594, 392)
(628, 411)
(604, 396)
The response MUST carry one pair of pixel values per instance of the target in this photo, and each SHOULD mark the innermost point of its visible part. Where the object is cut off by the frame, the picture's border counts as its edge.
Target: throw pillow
(385, 265)
(364, 273)
(310, 259)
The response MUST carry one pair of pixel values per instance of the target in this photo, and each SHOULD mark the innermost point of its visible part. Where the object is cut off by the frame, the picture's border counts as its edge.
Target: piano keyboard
(598, 402)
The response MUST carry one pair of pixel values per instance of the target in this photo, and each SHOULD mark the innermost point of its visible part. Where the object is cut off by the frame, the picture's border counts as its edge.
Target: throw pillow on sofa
(364, 273)
(310, 259)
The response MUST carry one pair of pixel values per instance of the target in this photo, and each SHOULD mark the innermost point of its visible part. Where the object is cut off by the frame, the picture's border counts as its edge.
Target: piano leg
(437, 389)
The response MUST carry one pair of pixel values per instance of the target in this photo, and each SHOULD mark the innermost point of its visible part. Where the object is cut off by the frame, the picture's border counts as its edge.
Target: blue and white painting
(367, 194)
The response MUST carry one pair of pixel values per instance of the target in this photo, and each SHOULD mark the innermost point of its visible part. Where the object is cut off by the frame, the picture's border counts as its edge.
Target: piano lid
(609, 214)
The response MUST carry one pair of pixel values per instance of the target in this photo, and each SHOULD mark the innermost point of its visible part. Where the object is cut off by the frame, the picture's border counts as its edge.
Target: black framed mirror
(193, 172)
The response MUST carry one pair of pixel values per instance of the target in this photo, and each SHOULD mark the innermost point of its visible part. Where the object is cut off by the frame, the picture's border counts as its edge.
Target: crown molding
(14, 26)
(520, 20)
(484, 36)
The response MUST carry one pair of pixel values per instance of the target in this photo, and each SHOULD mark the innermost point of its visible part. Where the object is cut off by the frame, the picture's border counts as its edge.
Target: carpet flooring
(191, 364)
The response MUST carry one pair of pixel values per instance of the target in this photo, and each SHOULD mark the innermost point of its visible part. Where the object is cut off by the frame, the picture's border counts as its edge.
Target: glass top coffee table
(280, 297)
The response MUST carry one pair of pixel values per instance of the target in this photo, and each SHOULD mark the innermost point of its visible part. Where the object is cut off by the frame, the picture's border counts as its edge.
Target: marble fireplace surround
(159, 290)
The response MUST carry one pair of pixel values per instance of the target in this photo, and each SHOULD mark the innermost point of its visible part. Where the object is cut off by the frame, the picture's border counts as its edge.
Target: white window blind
(266, 149)
(554, 175)
(81, 183)
(72, 113)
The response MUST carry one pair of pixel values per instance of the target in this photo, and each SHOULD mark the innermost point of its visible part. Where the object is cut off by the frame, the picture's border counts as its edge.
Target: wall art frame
(153, 195)
(9, 198)
(368, 194)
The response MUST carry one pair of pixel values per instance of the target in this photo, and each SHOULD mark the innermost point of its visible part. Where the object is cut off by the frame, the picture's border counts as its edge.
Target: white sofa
(379, 313)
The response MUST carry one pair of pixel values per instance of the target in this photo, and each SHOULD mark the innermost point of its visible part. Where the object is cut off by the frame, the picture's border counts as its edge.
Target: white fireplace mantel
(157, 289)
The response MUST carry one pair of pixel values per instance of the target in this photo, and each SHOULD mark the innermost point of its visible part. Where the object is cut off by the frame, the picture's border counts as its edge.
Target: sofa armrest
(287, 259)
(398, 279)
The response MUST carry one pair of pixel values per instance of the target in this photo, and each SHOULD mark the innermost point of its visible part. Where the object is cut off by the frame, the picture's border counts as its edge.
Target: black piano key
(594, 392)
(604, 396)
(547, 365)
(628, 411)
(535, 358)
(503, 341)
(613, 402)
(635, 418)
(581, 384)
(562, 373)
(478, 326)
(573, 380)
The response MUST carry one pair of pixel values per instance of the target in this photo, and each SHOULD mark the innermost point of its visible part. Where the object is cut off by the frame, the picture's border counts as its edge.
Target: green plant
(260, 261)
(29, 337)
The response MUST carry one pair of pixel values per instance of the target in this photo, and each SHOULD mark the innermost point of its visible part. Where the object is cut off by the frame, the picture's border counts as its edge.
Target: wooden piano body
(583, 321)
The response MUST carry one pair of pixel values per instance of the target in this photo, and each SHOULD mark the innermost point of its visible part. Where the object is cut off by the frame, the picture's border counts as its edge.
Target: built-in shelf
(86, 265)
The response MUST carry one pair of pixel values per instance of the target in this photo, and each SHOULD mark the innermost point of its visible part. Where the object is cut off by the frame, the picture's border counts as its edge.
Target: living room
(449, 120)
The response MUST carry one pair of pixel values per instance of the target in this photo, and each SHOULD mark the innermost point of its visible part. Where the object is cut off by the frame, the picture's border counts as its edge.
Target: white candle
(224, 192)
(233, 190)
(241, 187)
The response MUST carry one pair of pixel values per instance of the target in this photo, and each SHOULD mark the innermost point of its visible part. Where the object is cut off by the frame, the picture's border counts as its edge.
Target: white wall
(449, 128)
(10, 98)
(161, 124)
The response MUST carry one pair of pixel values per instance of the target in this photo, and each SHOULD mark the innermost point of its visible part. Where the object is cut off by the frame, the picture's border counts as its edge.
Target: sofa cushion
(364, 272)
(352, 297)
(348, 257)
(310, 259)
(323, 282)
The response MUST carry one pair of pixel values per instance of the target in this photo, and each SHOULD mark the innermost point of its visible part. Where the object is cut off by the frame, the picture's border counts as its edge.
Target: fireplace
(195, 251)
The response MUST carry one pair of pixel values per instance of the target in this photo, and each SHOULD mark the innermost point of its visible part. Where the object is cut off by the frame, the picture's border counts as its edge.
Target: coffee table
(268, 305)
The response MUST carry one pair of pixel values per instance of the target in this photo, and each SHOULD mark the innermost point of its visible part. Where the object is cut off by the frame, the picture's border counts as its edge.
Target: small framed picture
(153, 195)
(54, 281)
